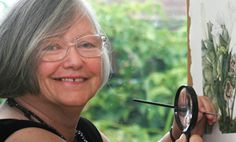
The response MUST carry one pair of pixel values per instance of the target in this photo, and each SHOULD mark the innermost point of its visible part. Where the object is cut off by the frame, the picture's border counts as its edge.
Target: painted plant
(219, 71)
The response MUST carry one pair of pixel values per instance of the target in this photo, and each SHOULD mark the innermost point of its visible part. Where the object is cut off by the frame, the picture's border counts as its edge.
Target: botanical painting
(212, 42)
(219, 66)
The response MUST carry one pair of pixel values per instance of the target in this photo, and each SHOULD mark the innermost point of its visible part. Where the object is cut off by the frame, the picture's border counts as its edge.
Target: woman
(53, 61)
(54, 58)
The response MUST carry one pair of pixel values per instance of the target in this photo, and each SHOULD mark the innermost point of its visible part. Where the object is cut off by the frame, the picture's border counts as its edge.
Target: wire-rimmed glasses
(89, 46)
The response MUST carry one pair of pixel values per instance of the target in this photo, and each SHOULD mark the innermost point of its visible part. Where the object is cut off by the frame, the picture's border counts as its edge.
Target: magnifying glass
(185, 108)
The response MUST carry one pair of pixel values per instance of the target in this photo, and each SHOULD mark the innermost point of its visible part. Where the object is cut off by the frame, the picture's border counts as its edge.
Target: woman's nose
(73, 59)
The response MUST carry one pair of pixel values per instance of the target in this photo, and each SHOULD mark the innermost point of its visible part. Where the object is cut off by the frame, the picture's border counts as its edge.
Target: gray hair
(28, 22)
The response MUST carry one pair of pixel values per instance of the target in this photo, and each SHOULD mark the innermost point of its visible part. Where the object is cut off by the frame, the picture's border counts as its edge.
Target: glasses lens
(90, 46)
(53, 50)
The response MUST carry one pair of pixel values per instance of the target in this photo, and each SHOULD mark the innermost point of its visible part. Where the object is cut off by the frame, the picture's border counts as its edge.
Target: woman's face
(73, 80)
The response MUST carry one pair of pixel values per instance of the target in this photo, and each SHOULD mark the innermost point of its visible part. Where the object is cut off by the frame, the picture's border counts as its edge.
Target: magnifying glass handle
(153, 103)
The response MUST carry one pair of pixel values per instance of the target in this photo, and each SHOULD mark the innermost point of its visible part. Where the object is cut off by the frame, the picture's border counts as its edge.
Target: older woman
(53, 59)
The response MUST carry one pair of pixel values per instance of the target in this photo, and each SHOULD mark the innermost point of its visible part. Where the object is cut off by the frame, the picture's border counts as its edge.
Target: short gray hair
(28, 22)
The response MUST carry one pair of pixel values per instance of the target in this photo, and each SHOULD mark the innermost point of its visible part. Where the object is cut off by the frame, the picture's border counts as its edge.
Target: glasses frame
(104, 44)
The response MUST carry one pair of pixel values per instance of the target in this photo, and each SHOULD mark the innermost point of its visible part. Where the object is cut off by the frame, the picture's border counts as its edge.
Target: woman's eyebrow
(85, 34)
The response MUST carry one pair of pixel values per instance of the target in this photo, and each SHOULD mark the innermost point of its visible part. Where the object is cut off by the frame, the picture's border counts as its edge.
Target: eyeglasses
(89, 46)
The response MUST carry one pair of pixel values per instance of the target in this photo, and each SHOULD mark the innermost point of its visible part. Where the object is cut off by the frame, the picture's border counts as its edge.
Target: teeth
(72, 79)
(78, 79)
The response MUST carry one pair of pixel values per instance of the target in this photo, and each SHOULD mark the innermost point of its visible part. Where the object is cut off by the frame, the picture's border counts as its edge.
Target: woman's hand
(182, 138)
(204, 105)
(193, 138)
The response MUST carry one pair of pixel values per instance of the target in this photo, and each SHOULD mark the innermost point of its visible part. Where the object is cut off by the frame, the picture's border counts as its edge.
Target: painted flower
(232, 67)
(216, 32)
(228, 91)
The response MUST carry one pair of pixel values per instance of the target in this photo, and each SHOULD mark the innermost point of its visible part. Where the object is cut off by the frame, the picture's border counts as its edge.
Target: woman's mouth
(70, 79)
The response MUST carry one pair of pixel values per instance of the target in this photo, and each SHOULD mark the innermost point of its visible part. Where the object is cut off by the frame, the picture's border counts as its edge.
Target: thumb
(182, 138)
(196, 138)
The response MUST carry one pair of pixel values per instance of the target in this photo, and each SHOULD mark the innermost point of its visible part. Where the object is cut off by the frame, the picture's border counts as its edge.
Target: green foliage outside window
(150, 63)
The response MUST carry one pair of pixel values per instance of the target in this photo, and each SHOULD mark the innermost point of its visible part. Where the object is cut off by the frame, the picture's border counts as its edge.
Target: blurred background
(149, 47)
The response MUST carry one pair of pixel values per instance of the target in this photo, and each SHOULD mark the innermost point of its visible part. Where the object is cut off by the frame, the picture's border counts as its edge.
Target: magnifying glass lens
(185, 109)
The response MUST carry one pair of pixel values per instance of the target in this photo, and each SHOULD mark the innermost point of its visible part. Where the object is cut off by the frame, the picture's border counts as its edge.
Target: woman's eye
(86, 45)
(52, 47)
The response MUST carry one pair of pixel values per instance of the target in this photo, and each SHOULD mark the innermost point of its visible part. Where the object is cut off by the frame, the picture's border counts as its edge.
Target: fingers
(182, 138)
(199, 128)
(205, 105)
(195, 138)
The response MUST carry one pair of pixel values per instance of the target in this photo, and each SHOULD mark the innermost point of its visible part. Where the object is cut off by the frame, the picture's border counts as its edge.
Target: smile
(71, 79)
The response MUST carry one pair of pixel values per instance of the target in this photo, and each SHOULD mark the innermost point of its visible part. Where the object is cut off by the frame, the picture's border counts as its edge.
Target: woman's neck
(63, 119)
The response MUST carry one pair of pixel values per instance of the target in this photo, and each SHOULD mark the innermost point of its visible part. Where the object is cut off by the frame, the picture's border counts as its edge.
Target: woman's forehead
(80, 26)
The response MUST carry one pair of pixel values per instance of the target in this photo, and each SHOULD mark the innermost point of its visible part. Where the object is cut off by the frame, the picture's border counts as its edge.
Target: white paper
(200, 12)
